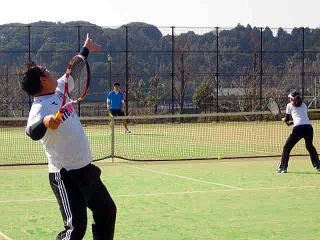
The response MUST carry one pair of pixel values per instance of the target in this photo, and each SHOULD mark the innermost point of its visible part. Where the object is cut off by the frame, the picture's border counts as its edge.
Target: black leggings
(299, 132)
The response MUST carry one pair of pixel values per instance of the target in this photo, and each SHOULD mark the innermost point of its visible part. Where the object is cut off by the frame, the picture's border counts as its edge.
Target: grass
(209, 200)
(222, 200)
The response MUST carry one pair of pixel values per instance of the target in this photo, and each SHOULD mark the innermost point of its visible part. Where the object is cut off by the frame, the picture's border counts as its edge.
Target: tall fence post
(127, 72)
(6, 91)
(217, 71)
(78, 50)
(110, 71)
(172, 69)
(29, 59)
(29, 43)
(261, 68)
(78, 35)
(302, 65)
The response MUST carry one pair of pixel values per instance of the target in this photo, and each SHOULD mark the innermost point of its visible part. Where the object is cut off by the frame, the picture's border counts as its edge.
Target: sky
(180, 13)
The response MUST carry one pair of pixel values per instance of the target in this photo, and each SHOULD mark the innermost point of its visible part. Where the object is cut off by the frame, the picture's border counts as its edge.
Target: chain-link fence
(167, 69)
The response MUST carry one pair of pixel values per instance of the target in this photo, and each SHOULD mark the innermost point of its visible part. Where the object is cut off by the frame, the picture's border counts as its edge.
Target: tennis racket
(79, 70)
(273, 107)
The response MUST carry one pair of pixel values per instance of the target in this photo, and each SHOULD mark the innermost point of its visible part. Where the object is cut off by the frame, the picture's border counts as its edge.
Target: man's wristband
(84, 52)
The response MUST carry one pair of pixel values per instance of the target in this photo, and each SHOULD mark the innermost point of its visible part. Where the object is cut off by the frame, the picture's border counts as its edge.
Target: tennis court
(226, 199)
(240, 198)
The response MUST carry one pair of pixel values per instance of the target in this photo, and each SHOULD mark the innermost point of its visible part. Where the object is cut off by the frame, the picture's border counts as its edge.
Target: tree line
(249, 59)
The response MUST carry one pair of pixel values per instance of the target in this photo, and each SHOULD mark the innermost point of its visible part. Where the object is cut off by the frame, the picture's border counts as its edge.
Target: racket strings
(273, 107)
(76, 69)
(78, 74)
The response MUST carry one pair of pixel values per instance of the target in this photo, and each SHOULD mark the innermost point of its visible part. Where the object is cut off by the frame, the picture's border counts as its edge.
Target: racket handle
(59, 115)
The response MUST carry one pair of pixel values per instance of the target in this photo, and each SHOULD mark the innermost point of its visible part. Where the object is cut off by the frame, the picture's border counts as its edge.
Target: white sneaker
(127, 131)
(279, 170)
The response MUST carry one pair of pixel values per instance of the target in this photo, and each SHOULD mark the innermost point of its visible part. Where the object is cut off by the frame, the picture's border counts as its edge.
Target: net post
(112, 138)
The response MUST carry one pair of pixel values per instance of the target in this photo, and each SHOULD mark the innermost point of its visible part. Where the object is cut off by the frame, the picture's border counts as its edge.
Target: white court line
(184, 177)
(29, 200)
(4, 237)
(166, 193)
(210, 191)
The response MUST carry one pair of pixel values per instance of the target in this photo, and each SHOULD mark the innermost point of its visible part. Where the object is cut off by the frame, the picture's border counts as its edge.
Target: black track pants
(76, 190)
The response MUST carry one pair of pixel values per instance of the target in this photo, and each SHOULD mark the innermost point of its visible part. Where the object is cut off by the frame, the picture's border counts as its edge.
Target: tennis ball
(219, 158)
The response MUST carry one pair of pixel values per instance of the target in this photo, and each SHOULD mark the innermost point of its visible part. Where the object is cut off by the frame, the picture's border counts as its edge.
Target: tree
(248, 84)
(204, 95)
(137, 95)
(156, 93)
(11, 95)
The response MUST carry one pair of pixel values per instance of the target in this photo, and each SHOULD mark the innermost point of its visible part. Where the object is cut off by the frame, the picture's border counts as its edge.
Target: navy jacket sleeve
(37, 130)
(287, 118)
(84, 52)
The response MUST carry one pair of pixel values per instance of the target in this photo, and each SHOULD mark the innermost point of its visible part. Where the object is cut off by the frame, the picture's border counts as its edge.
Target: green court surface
(190, 200)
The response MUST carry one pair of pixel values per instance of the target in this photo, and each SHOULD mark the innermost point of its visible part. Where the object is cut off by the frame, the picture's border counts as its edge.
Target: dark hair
(30, 82)
(116, 84)
(294, 94)
(297, 101)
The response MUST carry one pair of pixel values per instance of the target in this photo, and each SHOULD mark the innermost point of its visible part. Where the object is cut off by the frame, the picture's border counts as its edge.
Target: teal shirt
(115, 100)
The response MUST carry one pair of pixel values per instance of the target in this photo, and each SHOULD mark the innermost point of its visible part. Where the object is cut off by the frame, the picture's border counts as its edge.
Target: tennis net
(166, 137)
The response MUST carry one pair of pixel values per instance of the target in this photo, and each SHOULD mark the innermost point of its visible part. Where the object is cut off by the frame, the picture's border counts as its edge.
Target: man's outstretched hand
(91, 45)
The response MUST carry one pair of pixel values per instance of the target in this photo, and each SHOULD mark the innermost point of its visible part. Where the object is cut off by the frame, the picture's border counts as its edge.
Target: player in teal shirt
(115, 104)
